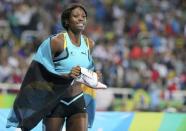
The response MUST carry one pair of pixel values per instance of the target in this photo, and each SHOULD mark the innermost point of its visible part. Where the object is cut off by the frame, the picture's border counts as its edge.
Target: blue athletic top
(70, 57)
(73, 56)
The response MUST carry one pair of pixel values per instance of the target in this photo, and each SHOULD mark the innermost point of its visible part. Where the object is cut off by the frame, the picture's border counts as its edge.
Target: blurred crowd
(140, 44)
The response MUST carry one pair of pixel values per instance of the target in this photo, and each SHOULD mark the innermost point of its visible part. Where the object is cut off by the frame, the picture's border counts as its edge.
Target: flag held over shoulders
(41, 90)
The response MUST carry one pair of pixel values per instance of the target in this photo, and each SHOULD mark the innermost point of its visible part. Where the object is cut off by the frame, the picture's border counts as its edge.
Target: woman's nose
(81, 18)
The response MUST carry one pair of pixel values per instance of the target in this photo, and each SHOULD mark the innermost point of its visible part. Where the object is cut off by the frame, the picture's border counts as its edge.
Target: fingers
(99, 74)
(75, 72)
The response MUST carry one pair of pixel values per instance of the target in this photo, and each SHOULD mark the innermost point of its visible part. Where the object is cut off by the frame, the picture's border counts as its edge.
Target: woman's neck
(75, 38)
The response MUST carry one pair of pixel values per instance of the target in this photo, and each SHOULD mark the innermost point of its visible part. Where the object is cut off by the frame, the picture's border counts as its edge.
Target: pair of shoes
(90, 79)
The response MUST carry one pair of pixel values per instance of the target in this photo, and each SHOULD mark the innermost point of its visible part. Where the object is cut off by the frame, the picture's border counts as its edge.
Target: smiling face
(77, 20)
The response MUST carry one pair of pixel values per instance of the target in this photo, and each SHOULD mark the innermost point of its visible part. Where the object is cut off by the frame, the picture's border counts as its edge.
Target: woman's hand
(75, 72)
(99, 74)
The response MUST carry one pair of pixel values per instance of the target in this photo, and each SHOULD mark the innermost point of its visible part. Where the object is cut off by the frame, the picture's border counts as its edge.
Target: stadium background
(140, 49)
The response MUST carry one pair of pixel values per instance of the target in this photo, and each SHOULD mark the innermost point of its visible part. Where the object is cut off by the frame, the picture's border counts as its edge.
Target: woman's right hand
(75, 72)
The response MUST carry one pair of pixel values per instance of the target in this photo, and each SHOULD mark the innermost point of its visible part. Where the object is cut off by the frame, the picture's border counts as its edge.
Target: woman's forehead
(77, 10)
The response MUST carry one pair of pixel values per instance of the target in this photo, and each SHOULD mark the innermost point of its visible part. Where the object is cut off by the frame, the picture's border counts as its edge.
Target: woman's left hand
(99, 74)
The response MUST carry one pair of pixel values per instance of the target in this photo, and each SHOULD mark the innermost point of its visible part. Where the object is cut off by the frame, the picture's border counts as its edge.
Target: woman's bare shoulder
(57, 42)
(90, 42)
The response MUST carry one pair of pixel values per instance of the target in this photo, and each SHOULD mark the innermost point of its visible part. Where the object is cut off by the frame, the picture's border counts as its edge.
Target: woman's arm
(91, 44)
(91, 47)
(57, 44)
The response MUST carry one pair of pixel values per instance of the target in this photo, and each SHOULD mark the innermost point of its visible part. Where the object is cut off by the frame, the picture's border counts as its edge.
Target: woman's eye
(75, 15)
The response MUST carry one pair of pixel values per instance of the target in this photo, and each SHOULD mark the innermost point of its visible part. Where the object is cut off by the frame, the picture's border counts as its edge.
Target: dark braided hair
(67, 12)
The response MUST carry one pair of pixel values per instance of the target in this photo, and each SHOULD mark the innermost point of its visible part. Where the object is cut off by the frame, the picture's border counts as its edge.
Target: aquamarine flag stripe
(112, 121)
(173, 122)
